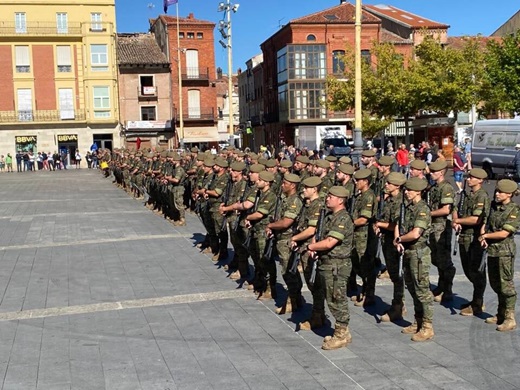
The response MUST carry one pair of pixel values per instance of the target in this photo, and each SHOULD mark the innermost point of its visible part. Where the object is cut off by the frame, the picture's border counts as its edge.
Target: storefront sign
(25, 139)
(157, 125)
(67, 138)
(200, 134)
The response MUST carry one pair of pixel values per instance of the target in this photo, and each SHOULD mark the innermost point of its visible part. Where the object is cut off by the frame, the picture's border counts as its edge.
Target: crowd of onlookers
(24, 161)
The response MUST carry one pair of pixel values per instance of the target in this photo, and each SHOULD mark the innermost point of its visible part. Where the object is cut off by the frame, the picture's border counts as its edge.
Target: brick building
(192, 46)
(223, 106)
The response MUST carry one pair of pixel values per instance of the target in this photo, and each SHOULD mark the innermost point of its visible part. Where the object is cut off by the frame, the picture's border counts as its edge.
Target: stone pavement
(97, 292)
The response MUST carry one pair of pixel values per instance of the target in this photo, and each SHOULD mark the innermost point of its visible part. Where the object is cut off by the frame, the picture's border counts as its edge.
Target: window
(181, 35)
(62, 23)
(23, 63)
(193, 103)
(191, 35)
(25, 110)
(63, 59)
(192, 64)
(311, 37)
(99, 58)
(306, 61)
(95, 22)
(305, 100)
(200, 35)
(20, 23)
(66, 101)
(366, 56)
(338, 63)
(147, 86)
(148, 113)
(101, 102)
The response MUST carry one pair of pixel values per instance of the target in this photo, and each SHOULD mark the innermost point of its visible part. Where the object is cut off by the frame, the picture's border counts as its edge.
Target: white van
(493, 146)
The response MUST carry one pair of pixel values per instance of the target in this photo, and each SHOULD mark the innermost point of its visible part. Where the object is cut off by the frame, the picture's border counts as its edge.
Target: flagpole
(180, 133)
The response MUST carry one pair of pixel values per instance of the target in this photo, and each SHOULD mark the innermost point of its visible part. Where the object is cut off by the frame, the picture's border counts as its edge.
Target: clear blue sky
(257, 20)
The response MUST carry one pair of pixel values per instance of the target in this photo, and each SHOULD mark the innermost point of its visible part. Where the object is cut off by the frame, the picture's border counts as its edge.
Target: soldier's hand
(248, 224)
(293, 244)
(268, 232)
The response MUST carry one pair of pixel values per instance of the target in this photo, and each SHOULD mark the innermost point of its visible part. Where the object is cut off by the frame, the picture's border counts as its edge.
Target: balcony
(39, 29)
(195, 74)
(147, 92)
(41, 116)
(197, 114)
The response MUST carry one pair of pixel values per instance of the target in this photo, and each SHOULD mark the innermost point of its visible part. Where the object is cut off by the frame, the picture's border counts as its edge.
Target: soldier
(417, 168)
(385, 167)
(442, 198)
(363, 253)
(272, 166)
(469, 222)
(417, 259)
(285, 166)
(321, 170)
(300, 168)
(304, 236)
(344, 178)
(385, 226)
(333, 167)
(177, 179)
(290, 212)
(368, 159)
(334, 252)
(498, 240)
(203, 204)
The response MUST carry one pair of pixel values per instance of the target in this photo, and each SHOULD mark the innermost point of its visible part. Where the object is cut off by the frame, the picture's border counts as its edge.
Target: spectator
(458, 168)
(88, 157)
(57, 160)
(39, 161)
(403, 161)
(332, 152)
(45, 161)
(467, 152)
(26, 165)
(63, 159)
(77, 159)
(440, 155)
(2, 163)
(50, 160)
(9, 162)
(390, 151)
(95, 160)
(94, 147)
(32, 159)
(19, 159)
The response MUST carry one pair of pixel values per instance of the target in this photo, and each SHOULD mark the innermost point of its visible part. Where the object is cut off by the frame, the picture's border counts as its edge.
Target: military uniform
(219, 240)
(178, 189)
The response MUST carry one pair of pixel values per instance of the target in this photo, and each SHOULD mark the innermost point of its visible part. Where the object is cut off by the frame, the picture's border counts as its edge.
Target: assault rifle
(483, 260)
(402, 218)
(460, 206)
(225, 200)
(236, 222)
(269, 244)
(379, 216)
(318, 236)
(295, 257)
(250, 230)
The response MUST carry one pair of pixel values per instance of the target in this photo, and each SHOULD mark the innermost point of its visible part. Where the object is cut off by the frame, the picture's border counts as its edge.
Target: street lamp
(225, 31)
(358, 140)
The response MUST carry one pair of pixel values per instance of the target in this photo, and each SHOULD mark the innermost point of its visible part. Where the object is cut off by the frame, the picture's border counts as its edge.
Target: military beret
(347, 169)
(331, 158)
(303, 159)
(221, 163)
(386, 161)
(176, 157)
(266, 176)
(231, 148)
(312, 181)
(479, 173)
(416, 184)
(238, 166)
(291, 178)
(270, 163)
(257, 168)
(340, 192)
(368, 153)
(253, 156)
(262, 160)
(150, 155)
(507, 186)
(240, 154)
(209, 162)
(418, 164)
(322, 164)
(396, 178)
(345, 160)
(363, 174)
(286, 163)
(194, 149)
(438, 165)
(201, 157)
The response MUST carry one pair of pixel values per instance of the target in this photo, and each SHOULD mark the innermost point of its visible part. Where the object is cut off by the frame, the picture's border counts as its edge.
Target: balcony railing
(196, 114)
(38, 28)
(25, 116)
(195, 73)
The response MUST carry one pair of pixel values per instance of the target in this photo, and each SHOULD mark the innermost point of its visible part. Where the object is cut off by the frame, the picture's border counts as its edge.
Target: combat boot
(285, 308)
(474, 308)
(235, 275)
(425, 333)
(395, 313)
(180, 222)
(339, 339)
(316, 321)
(509, 322)
(267, 294)
(497, 319)
(414, 328)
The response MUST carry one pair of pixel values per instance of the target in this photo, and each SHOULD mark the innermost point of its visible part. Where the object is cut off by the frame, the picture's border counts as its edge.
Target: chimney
(190, 16)
(342, 1)
(219, 73)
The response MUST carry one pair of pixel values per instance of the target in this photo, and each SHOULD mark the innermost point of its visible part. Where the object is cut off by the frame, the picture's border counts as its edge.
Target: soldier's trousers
(363, 254)
(317, 290)
(178, 200)
(392, 265)
(334, 274)
(501, 272)
(241, 254)
(265, 271)
(293, 281)
(417, 264)
(440, 244)
(221, 233)
(470, 256)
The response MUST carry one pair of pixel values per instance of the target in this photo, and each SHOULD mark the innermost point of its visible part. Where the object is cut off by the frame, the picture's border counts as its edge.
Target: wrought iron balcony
(197, 114)
(25, 116)
(39, 29)
(195, 73)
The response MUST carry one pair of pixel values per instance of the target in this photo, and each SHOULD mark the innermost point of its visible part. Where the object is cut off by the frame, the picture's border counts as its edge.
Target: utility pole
(358, 140)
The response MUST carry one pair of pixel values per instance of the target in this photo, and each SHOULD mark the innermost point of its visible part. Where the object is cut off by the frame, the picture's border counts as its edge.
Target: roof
(339, 14)
(139, 49)
(404, 18)
(389, 37)
(167, 19)
(458, 42)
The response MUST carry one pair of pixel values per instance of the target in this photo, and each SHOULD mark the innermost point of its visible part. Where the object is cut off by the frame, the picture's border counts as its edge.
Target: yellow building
(59, 76)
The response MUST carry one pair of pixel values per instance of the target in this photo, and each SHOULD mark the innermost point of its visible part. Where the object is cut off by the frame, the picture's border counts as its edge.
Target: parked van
(493, 146)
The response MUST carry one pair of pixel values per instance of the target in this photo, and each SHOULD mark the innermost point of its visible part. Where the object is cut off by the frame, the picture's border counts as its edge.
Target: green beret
(303, 159)
(262, 161)
(150, 155)
(253, 156)
(340, 192)
(312, 181)
(176, 157)
(267, 176)
(386, 161)
(331, 158)
(479, 173)
(164, 153)
(418, 164)
(257, 168)
(347, 169)
(209, 162)
(286, 163)
(231, 148)
(194, 149)
(201, 157)
(238, 166)
(221, 163)
(368, 153)
(240, 154)
(507, 186)
(438, 165)
(270, 163)
(416, 184)
(345, 160)
(363, 174)
(291, 178)
(322, 164)
(396, 178)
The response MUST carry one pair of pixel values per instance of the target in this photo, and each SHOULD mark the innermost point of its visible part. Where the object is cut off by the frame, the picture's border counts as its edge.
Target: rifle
(295, 257)
(250, 231)
(460, 206)
(402, 218)
(379, 216)
(225, 200)
(269, 245)
(482, 265)
(318, 236)
(209, 184)
(236, 222)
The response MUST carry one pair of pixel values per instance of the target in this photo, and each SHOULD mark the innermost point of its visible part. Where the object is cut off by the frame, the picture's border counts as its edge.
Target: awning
(200, 134)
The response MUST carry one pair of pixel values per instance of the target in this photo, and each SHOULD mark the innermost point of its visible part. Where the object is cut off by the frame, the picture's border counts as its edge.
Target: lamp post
(225, 31)
(358, 140)
(180, 134)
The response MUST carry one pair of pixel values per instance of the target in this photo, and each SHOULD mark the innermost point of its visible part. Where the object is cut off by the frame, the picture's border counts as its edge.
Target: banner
(167, 3)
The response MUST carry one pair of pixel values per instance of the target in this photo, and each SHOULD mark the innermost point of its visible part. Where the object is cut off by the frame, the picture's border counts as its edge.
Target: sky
(257, 20)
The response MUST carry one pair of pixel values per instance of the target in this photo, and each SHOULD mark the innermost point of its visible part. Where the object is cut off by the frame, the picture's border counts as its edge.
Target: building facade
(145, 103)
(223, 108)
(59, 82)
(510, 27)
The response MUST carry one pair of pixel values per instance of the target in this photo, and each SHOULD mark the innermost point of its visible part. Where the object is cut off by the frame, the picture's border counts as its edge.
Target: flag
(167, 3)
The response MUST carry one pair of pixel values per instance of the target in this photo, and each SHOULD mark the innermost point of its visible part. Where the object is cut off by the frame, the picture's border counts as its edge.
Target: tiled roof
(389, 37)
(342, 13)
(139, 49)
(458, 42)
(403, 17)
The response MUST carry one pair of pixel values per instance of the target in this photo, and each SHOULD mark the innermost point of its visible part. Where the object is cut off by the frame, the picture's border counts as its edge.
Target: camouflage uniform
(237, 236)
(219, 240)
(178, 190)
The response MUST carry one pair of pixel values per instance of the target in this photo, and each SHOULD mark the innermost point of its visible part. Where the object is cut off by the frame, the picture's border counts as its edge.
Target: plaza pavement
(97, 292)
